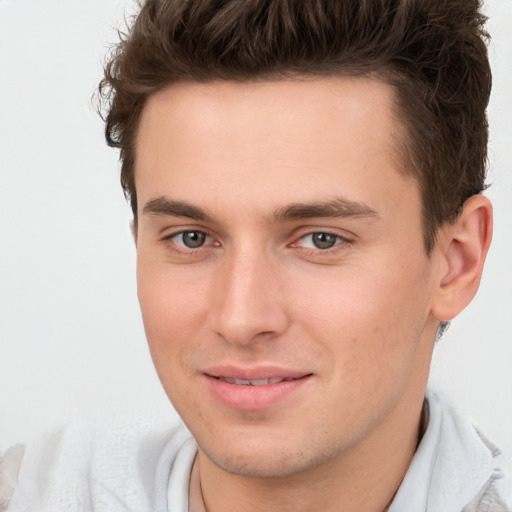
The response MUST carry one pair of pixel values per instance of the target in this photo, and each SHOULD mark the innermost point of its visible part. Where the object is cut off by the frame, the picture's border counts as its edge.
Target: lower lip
(253, 398)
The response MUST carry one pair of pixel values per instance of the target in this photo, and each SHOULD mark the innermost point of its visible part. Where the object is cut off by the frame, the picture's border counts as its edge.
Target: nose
(249, 303)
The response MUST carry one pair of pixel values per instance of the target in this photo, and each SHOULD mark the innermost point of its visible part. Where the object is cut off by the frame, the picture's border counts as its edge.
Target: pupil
(324, 240)
(193, 239)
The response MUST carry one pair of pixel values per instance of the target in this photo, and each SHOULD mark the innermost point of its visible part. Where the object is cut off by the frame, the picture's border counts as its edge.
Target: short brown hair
(433, 52)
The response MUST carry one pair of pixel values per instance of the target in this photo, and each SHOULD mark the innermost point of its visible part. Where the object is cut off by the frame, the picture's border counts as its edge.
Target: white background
(72, 342)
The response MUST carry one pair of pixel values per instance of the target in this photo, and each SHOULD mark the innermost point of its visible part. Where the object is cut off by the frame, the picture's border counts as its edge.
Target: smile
(253, 382)
(255, 389)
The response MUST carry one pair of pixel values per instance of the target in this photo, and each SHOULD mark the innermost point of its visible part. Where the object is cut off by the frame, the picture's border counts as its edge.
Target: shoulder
(489, 499)
(497, 490)
(466, 461)
(455, 468)
(90, 467)
(10, 463)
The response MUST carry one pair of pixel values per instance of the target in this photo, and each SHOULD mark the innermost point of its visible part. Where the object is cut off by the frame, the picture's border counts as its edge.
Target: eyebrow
(165, 206)
(336, 208)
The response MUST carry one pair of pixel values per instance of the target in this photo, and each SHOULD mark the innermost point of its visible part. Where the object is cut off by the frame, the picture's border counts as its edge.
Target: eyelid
(168, 237)
(171, 231)
(342, 240)
(304, 231)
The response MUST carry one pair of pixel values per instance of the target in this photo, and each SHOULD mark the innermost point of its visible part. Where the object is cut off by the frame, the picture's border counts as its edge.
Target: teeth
(275, 381)
(242, 382)
(260, 382)
(254, 382)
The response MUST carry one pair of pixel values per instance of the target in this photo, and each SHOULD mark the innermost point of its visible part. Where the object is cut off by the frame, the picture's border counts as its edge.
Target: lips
(254, 388)
(253, 382)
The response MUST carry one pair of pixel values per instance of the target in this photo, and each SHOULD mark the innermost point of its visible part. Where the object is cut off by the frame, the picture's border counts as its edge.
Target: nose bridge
(248, 304)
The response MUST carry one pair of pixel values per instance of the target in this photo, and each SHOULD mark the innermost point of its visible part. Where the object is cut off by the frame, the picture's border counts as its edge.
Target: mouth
(255, 382)
(255, 389)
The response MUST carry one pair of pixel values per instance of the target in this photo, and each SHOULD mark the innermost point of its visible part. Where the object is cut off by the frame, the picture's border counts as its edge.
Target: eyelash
(340, 242)
(182, 249)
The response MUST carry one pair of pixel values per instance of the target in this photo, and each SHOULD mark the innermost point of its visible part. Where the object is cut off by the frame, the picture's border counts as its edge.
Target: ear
(133, 229)
(463, 247)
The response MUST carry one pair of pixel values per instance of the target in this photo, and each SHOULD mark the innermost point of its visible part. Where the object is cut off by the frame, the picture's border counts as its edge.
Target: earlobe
(464, 247)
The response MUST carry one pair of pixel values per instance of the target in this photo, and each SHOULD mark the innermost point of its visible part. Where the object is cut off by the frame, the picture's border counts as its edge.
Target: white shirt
(148, 468)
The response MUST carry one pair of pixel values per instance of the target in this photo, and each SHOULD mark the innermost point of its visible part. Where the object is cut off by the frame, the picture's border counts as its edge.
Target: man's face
(278, 239)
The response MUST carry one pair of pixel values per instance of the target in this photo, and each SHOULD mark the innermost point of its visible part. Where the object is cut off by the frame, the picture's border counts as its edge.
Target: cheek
(169, 296)
(369, 318)
(173, 312)
(168, 318)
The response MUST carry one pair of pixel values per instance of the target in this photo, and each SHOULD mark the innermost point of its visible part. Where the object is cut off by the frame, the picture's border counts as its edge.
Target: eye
(191, 239)
(319, 240)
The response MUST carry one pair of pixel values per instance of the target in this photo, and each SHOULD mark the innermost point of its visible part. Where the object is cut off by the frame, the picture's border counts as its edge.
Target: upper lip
(254, 373)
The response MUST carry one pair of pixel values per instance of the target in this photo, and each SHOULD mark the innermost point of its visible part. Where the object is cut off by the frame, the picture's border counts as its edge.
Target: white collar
(450, 466)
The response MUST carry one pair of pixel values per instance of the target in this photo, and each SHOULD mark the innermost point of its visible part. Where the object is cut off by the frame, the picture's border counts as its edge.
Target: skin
(358, 318)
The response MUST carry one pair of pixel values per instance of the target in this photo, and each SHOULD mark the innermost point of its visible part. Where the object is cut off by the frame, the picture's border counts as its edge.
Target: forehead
(321, 109)
(269, 141)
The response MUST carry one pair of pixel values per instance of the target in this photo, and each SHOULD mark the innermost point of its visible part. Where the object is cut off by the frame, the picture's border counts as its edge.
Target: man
(306, 186)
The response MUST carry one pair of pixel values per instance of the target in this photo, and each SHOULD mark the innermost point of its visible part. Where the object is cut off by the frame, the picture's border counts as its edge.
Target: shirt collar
(450, 466)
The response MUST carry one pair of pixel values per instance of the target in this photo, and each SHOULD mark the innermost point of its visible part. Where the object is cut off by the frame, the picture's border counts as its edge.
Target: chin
(268, 460)
(280, 465)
